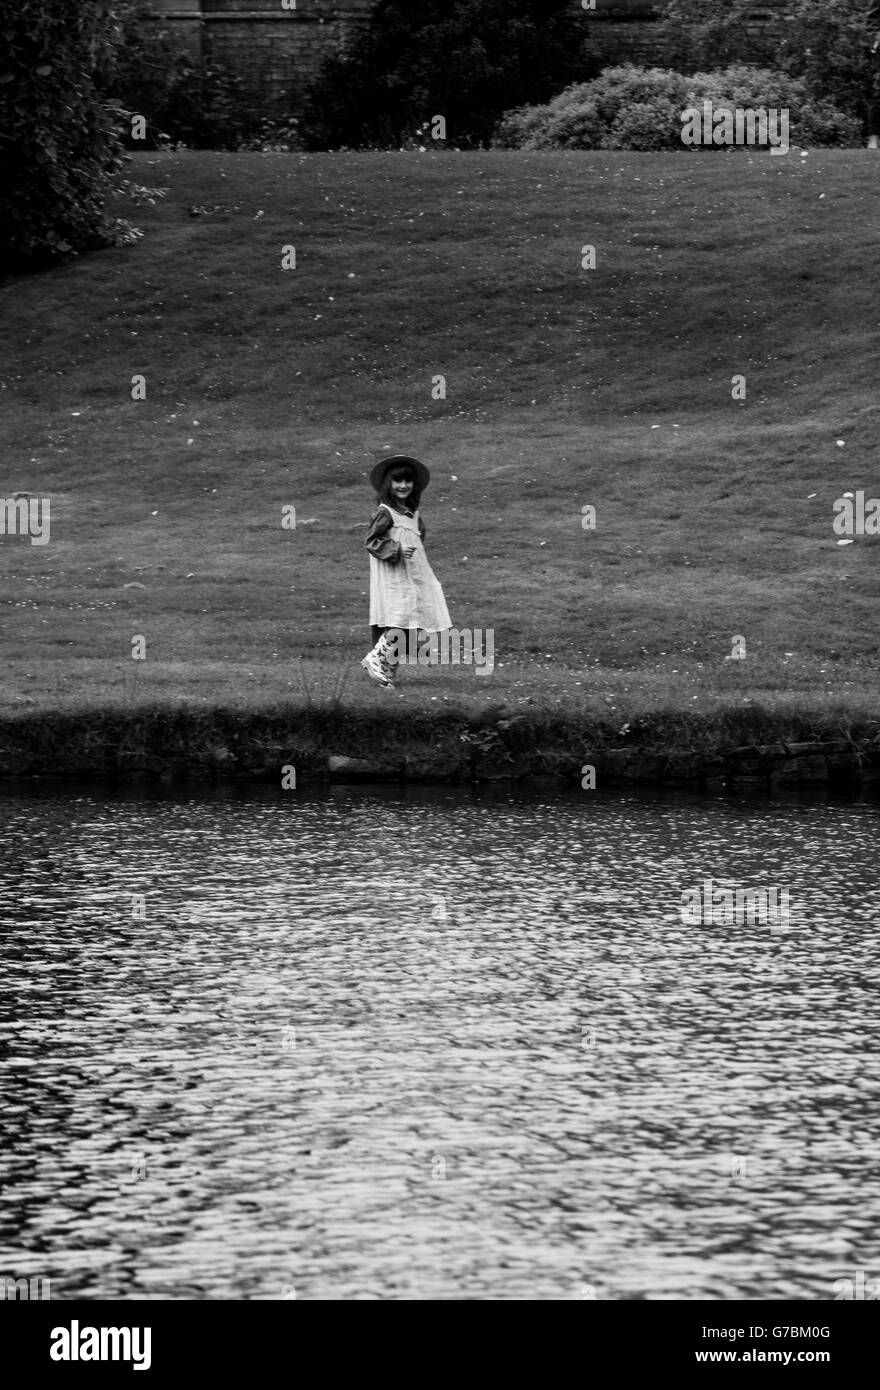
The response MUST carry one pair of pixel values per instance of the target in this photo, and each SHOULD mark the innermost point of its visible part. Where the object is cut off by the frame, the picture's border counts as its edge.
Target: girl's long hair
(401, 471)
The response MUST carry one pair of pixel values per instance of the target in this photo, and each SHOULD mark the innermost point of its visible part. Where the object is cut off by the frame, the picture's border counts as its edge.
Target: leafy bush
(584, 116)
(570, 122)
(629, 108)
(59, 149)
(812, 121)
(646, 125)
(279, 135)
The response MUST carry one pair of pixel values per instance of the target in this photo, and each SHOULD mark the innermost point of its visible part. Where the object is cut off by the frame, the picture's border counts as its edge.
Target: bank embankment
(295, 746)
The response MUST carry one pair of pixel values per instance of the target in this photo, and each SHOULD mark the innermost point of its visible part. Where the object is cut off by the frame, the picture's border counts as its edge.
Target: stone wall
(279, 50)
(188, 744)
(274, 49)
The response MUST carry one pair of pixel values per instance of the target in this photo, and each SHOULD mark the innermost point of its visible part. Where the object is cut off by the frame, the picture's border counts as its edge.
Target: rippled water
(428, 1044)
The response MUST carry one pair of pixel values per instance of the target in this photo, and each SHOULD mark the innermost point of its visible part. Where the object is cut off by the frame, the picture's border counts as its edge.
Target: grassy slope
(565, 387)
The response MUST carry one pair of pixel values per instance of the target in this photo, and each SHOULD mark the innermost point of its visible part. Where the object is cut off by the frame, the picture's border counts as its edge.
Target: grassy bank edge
(168, 743)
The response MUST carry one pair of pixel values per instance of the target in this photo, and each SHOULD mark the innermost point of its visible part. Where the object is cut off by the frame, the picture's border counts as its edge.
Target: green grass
(564, 387)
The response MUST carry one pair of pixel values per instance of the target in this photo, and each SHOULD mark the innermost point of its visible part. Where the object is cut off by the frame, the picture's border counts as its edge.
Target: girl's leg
(389, 661)
(874, 103)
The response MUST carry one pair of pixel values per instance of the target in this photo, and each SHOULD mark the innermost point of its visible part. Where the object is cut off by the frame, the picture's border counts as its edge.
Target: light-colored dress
(407, 594)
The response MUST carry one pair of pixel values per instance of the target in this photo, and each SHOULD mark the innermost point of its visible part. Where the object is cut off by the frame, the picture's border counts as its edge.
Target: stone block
(338, 764)
(812, 768)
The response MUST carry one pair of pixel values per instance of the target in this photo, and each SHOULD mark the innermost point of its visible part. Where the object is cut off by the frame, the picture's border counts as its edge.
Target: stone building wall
(272, 47)
(279, 49)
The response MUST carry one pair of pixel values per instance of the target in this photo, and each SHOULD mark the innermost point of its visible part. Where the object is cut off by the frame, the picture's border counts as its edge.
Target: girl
(404, 591)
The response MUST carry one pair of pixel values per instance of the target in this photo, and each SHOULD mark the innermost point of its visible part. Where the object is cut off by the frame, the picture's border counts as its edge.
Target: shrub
(570, 122)
(583, 116)
(812, 121)
(60, 150)
(631, 108)
(646, 125)
(276, 135)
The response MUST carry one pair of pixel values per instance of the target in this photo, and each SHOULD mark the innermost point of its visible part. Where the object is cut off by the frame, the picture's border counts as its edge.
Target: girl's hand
(407, 551)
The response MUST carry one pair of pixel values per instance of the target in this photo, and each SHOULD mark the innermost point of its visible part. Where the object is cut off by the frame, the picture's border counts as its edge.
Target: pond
(387, 1043)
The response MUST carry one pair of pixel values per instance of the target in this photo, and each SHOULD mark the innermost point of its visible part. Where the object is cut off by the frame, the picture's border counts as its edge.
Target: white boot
(375, 663)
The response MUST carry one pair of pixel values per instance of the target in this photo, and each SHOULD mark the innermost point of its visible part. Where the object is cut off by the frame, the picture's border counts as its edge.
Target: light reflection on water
(382, 1044)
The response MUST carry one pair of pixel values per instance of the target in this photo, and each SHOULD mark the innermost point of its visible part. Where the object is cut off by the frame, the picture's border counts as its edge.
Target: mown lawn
(565, 387)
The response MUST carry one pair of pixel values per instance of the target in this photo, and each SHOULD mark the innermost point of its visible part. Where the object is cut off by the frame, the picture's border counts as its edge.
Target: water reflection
(425, 1044)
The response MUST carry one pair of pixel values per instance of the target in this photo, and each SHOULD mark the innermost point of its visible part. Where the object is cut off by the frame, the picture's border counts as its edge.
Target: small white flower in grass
(840, 443)
(811, 495)
(846, 541)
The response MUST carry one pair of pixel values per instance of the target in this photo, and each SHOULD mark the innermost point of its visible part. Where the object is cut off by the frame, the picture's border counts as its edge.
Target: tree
(822, 41)
(60, 152)
(464, 60)
(696, 34)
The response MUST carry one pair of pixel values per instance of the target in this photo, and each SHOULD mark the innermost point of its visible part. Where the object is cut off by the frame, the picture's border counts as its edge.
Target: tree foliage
(825, 42)
(60, 151)
(467, 60)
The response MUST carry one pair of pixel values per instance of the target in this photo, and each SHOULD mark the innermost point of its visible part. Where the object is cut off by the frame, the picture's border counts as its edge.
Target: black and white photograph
(440, 679)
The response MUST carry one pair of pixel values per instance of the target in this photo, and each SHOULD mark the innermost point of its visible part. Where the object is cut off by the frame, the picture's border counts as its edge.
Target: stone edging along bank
(719, 751)
(773, 765)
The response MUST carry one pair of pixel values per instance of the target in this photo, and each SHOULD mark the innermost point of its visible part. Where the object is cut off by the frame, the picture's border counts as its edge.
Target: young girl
(404, 591)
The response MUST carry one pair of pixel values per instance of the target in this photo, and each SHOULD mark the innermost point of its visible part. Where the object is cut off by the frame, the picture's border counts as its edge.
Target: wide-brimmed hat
(377, 474)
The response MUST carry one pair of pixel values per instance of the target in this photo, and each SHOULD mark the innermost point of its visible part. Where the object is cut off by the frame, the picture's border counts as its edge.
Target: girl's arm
(377, 540)
(421, 523)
